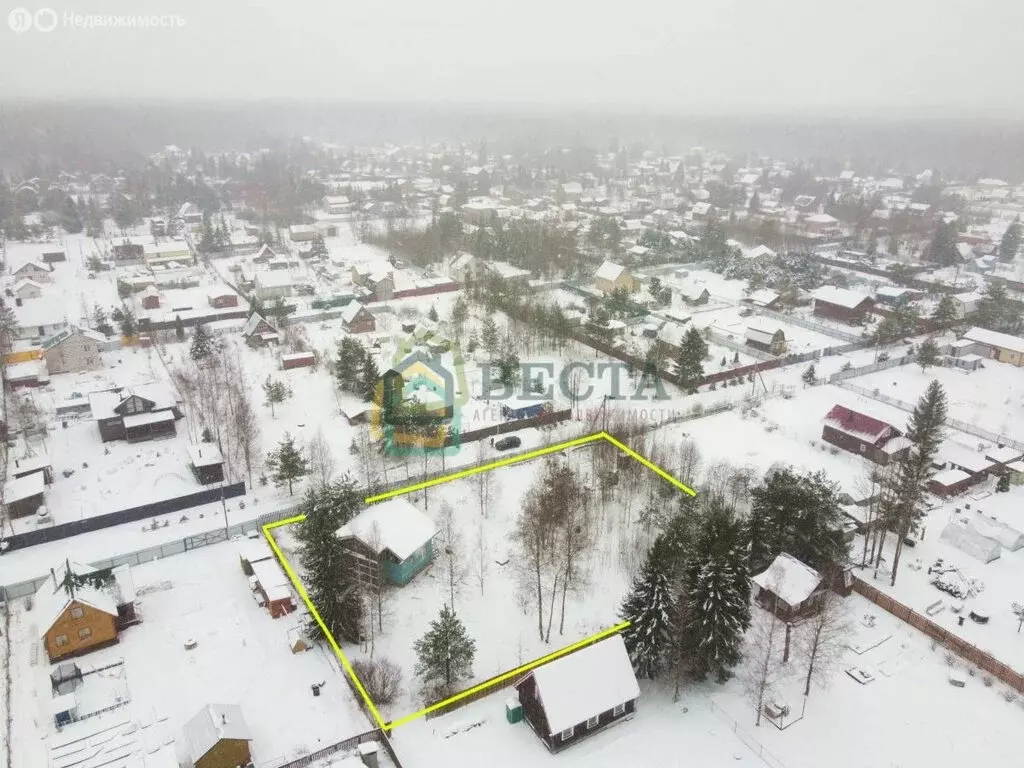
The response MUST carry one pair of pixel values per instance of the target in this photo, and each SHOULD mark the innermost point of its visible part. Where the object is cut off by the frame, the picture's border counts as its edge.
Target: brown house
(952, 482)
(24, 495)
(580, 694)
(82, 609)
(143, 413)
(258, 332)
(151, 298)
(218, 737)
(355, 318)
(222, 298)
(766, 340)
(864, 435)
(789, 589)
(843, 305)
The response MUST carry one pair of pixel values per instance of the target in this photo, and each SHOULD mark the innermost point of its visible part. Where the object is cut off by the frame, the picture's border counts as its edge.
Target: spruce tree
(128, 324)
(202, 344)
(319, 248)
(810, 375)
(928, 353)
(690, 362)
(179, 328)
(287, 464)
(326, 566)
(489, 336)
(275, 392)
(718, 595)
(349, 364)
(432, 314)
(1010, 243)
(648, 608)
(369, 374)
(100, 321)
(945, 312)
(445, 653)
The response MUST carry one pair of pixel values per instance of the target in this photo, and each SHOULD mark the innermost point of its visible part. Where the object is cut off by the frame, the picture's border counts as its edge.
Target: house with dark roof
(136, 414)
(864, 435)
(770, 340)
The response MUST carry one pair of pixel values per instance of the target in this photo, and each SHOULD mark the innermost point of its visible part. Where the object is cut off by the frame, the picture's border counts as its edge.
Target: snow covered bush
(987, 681)
(1009, 696)
(381, 677)
(950, 659)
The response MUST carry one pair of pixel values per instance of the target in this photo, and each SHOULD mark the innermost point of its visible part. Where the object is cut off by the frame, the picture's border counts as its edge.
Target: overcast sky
(669, 56)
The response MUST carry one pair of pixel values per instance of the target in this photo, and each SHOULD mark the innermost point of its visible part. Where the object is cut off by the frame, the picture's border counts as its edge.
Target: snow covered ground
(242, 657)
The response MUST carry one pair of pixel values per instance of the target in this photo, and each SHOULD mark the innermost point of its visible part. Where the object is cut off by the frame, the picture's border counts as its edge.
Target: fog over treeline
(102, 136)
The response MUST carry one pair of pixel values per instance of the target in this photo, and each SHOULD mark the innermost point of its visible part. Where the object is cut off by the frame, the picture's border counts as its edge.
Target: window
(592, 722)
(84, 633)
(77, 612)
(61, 640)
(863, 448)
(619, 709)
(567, 733)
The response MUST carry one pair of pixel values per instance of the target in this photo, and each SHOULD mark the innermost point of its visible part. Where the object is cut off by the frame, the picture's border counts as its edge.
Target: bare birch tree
(321, 461)
(452, 555)
(762, 667)
(824, 640)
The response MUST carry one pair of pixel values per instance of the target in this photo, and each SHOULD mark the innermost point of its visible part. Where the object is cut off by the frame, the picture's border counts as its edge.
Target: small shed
(273, 584)
(26, 465)
(251, 551)
(64, 709)
(517, 408)
(299, 640)
(297, 360)
(218, 737)
(950, 482)
(151, 298)
(24, 495)
(206, 463)
(970, 542)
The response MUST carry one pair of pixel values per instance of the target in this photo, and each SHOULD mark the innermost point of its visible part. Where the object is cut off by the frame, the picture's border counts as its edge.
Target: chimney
(223, 718)
(17, 301)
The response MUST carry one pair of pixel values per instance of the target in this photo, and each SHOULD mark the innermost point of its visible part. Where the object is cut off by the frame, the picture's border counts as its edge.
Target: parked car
(507, 443)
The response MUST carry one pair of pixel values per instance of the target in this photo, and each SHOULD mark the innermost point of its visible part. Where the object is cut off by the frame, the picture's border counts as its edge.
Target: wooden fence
(957, 645)
(376, 735)
(548, 419)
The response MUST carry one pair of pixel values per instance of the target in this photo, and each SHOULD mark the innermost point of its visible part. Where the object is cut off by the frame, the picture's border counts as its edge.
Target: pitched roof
(859, 424)
(214, 723)
(761, 335)
(841, 297)
(609, 271)
(253, 323)
(763, 297)
(52, 599)
(394, 525)
(586, 683)
(350, 310)
(996, 339)
(788, 579)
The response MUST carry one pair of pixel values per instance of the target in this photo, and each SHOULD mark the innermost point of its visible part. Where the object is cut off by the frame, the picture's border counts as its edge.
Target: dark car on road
(507, 443)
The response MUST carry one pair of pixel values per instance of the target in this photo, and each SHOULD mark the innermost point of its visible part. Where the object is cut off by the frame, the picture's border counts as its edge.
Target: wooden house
(151, 298)
(80, 608)
(841, 304)
(271, 586)
(612, 277)
(997, 346)
(72, 350)
(580, 694)
(766, 340)
(865, 435)
(258, 332)
(206, 463)
(301, 233)
(264, 255)
(25, 495)
(142, 413)
(355, 318)
(694, 295)
(222, 298)
(34, 270)
(381, 283)
(27, 288)
(218, 737)
(789, 589)
(273, 284)
(26, 465)
(766, 298)
(390, 541)
(298, 360)
(950, 482)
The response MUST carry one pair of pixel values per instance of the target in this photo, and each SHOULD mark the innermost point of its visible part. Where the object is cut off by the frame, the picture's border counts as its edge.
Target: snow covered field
(242, 657)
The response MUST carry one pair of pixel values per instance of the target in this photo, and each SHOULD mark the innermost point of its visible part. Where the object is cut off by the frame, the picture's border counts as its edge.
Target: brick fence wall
(957, 645)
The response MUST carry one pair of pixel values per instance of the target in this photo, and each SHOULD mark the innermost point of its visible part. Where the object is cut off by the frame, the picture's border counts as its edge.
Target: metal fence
(960, 426)
(749, 741)
(881, 365)
(377, 735)
(810, 325)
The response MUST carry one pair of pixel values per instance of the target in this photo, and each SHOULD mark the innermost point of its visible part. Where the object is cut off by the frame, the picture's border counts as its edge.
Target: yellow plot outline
(297, 583)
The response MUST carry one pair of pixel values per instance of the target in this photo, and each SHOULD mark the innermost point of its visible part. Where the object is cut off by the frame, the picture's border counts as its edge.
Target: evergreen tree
(275, 392)
(179, 328)
(128, 323)
(202, 344)
(460, 313)
(369, 374)
(810, 375)
(942, 249)
(648, 609)
(207, 243)
(326, 565)
(928, 353)
(489, 336)
(754, 207)
(690, 362)
(797, 514)
(1003, 484)
(996, 311)
(1010, 243)
(945, 312)
(100, 321)
(319, 248)
(287, 464)
(718, 595)
(349, 364)
(445, 653)
(508, 368)
(432, 314)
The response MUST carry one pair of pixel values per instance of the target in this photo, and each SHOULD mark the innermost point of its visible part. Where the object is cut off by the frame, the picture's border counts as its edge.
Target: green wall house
(390, 541)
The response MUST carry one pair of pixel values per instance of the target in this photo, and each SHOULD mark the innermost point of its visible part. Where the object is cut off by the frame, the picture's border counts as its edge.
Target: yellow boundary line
(347, 666)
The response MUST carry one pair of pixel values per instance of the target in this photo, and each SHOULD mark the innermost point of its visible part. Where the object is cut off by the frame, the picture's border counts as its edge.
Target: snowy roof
(269, 574)
(214, 723)
(841, 297)
(350, 310)
(822, 218)
(1003, 455)
(996, 339)
(586, 683)
(758, 251)
(273, 278)
(51, 601)
(171, 246)
(46, 310)
(761, 335)
(506, 271)
(394, 525)
(788, 579)
(254, 550)
(609, 271)
(852, 422)
(26, 281)
(152, 417)
(950, 477)
(763, 297)
(1007, 536)
(204, 455)
(24, 487)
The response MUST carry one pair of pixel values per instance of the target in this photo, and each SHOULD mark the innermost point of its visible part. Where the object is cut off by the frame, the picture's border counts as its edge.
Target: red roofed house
(864, 435)
(842, 304)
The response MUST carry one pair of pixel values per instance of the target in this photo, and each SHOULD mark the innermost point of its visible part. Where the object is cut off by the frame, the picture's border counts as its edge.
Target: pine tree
(489, 336)
(100, 321)
(810, 375)
(754, 207)
(928, 353)
(718, 595)
(326, 566)
(942, 249)
(275, 392)
(690, 362)
(369, 374)
(508, 368)
(445, 653)
(945, 312)
(432, 314)
(349, 364)
(287, 464)
(202, 344)
(1010, 243)
(648, 609)
(319, 248)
